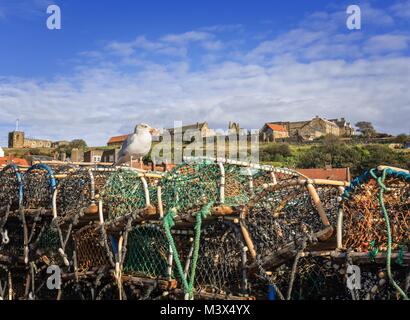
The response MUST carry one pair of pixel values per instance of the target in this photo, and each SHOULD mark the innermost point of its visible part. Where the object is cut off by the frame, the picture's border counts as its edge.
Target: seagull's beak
(154, 131)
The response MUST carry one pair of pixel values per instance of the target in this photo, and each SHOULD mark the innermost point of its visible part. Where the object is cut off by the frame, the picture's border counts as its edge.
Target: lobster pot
(190, 186)
(364, 227)
(10, 188)
(220, 267)
(38, 189)
(124, 193)
(315, 278)
(284, 214)
(101, 178)
(74, 193)
(91, 251)
(14, 248)
(147, 252)
(48, 243)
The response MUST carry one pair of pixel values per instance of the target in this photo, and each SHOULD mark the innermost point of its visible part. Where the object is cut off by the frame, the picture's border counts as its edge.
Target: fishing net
(39, 186)
(364, 226)
(91, 249)
(74, 193)
(220, 231)
(124, 193)
(284, 214)
(10, 183)
(4, 283)
(147, 252)
(220, 268)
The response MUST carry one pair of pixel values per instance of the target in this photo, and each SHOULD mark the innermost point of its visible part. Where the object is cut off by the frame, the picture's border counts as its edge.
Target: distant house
(234, 128)
(271, 132)
(93, 156)
(407, 145)
(117, 141)
(346, 129)
(110, 156)
(4, 161)
(77, 155)
(201, 127)
(312, 129)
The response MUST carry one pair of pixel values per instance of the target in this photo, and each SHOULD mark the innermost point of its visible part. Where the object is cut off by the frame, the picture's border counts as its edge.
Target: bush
(358, 159)
(275, 152)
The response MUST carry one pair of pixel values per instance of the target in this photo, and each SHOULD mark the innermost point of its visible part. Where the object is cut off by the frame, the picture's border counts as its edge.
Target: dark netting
(147, 252)
(101, 177)
(131, 290)
(315, 278)
(14, 248)
(10, 181)
(42, 288)
(220, 262)
(81, 289)
(37, 189)
(91, 251)
(281, 215)
(48, 243)
(74, 193)
(4, 283)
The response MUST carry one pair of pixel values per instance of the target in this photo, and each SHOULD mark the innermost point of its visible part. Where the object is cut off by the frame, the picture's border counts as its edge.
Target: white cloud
(401, 9)
(102, 102)
(387, 43)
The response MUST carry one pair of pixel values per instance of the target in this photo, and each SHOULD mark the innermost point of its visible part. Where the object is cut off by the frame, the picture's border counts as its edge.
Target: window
(97, 159)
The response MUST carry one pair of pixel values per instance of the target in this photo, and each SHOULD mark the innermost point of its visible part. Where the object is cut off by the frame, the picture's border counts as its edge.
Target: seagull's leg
(141, 163)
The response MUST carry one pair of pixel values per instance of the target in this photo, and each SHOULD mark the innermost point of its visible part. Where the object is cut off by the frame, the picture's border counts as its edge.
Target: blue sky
(116, 63)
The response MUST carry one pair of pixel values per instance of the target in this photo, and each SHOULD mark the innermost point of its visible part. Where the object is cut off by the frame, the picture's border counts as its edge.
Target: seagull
(137, 144)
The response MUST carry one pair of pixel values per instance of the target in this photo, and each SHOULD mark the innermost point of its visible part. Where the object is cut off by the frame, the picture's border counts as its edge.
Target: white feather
(137, 145)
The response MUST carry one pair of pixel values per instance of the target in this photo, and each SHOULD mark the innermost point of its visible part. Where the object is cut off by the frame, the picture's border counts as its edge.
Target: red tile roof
(18, 161)
(118, 139)
(276, 127)
(339, 174)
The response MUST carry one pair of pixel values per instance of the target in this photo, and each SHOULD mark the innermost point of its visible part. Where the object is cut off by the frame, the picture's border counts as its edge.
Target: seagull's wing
(124, 147)
(123, 154)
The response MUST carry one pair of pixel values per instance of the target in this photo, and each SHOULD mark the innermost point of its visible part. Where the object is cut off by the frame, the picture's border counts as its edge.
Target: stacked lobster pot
(207, 229)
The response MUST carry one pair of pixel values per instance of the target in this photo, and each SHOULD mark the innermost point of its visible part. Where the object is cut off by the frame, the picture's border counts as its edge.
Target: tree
(366, 129)
(78, 143)
(402, 138)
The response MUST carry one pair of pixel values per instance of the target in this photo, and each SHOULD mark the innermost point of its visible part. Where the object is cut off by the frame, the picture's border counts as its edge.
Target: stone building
(93, 156)
(346, 129)
(271, 132)
(77, 155)
(110, 156)
(234, 128)
(312, 129)
(202, 127)
(17, 139)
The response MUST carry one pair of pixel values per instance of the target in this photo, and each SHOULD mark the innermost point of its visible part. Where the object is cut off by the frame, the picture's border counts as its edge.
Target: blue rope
(366, 176)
